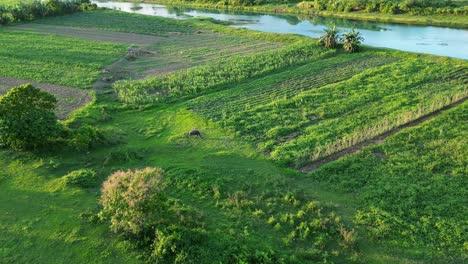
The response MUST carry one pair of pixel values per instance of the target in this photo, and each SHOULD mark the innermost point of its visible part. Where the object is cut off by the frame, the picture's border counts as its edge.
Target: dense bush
(205, 77)
(412, 7)
(134, 201)
(25, 11)
(27, 118)
(83, 178)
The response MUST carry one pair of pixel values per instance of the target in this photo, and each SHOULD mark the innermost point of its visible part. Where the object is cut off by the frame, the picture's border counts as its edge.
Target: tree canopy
(27, 118)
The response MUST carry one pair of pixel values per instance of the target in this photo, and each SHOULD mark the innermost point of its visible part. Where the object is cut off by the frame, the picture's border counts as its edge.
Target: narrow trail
(376, 140)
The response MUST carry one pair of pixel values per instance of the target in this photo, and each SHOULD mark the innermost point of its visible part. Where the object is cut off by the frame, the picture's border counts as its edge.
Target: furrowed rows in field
(316, 74)
(298, 120)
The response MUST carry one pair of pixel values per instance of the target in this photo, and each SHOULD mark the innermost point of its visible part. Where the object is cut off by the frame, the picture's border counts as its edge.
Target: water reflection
(424, 39)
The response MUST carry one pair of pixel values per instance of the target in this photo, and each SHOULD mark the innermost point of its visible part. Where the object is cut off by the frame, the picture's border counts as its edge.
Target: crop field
(267, 106)
(323, 107)
(412, 187)
(55, 60)
(69, 99)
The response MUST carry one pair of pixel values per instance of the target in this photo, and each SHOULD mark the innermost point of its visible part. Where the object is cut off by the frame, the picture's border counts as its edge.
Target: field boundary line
(377, 140)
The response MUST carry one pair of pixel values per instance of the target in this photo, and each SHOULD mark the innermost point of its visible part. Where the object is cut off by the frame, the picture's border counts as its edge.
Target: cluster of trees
(26, 11)
(412, 7)
(28, 122)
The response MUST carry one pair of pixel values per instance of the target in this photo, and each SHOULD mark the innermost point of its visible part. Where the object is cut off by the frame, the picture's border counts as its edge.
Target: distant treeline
(30, 10)
(412, 7)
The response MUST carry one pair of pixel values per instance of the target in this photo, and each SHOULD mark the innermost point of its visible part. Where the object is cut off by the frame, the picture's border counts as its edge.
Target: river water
(424, 39)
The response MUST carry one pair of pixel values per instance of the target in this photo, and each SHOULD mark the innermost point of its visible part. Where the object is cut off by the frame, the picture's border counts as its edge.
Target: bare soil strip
(69, 99)
(89, 34)
(376, 140)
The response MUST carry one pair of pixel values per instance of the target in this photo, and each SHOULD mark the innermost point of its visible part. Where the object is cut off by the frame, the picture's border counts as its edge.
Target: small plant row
(195, 80)
(350, 40)
(30, 10)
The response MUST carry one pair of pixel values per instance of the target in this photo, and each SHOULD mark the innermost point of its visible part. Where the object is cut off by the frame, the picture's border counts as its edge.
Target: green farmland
(306, 154)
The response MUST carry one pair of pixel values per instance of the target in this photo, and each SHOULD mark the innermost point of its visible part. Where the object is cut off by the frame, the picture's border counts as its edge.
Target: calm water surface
(424, 39)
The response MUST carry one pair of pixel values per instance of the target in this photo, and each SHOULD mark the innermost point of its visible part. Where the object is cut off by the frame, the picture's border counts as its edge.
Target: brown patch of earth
(69, 99)
(89, 34)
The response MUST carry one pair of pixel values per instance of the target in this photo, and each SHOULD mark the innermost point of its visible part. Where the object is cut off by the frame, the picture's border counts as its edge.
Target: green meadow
(268, 106)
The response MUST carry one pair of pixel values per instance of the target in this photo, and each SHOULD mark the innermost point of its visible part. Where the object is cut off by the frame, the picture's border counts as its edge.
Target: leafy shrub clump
(27, 118)
(134, 201)
(85, 137)
(83, 178)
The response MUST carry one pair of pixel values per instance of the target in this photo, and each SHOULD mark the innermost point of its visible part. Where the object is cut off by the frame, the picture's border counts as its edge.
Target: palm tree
(351, 40)
(330, 38)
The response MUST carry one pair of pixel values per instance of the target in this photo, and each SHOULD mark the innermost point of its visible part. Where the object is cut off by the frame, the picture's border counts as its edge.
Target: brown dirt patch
(89, 34)
(69, 99)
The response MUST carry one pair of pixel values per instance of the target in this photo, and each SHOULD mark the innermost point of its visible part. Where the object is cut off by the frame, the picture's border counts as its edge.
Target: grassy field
(455, 21)
(411, 188)
(260, 119)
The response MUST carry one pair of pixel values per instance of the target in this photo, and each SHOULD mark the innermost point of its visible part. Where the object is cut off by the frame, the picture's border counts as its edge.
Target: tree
(330, 38)
(27, 118)
(351, 40)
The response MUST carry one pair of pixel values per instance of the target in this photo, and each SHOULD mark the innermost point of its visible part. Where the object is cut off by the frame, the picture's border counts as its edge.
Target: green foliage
(30, 10)
(178, 245)
(309, 112)
(412, 188)
(351, 40)
(134, 201)
(27, 118)
(330, 38)
(112, 20)
(85, 137)
(206, 77)
(54, 59)
(84, 178)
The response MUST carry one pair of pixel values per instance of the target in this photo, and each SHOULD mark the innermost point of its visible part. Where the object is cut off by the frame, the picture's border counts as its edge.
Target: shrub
(177, 244)
(38, 9)
(85, 137)
(134, 201)
(27, 118)
(352, 40)
(83, 178)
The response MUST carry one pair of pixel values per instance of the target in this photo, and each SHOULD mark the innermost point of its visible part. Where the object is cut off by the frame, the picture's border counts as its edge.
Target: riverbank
(451, 21)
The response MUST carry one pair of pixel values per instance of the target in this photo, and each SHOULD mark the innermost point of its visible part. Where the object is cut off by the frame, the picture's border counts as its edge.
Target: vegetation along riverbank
(305, 151)
(435, 13)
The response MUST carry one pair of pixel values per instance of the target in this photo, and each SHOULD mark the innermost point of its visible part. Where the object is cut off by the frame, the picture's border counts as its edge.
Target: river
(423, 39)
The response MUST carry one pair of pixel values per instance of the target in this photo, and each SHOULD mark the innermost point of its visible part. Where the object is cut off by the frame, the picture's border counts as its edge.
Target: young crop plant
(203, 78)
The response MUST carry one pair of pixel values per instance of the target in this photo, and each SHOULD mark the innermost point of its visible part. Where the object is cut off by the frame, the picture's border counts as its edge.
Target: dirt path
(376, 140)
